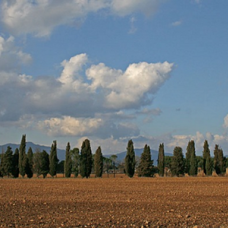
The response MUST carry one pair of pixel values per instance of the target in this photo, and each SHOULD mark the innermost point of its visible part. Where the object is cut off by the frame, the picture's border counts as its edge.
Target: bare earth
(114, 202)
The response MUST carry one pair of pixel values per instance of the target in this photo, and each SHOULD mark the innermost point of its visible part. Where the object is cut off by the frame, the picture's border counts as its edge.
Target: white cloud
(126, 7)
(225, 123)
(176, 23)
(11, 57)
(40, 17)
(82, 94)
(138, 81)
(67, 126)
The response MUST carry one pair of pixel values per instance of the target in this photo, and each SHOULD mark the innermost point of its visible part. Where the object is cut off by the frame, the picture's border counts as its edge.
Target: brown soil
(114, 202)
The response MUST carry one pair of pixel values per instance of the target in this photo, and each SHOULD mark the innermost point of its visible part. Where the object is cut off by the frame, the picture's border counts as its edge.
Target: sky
(154, 71)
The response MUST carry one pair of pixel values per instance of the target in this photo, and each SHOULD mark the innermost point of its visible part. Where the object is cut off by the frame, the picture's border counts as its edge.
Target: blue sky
(113, 70)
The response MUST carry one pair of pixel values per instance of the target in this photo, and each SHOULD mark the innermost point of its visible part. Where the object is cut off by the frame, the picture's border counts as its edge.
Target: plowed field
(114, 202)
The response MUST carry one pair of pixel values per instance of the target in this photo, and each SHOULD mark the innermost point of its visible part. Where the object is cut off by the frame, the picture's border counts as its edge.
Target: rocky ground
(114, 202)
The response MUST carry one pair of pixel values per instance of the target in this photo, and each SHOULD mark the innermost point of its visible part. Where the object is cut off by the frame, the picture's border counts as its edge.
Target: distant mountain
(35, 147)
(138, 152)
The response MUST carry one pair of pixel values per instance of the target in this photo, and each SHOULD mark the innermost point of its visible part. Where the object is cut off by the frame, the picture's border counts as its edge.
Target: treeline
(84, 162)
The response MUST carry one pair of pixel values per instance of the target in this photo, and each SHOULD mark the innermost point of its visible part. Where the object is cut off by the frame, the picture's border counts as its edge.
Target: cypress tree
(15, 171)
(130, 159)
(192, 161)
(86, 159)
(206, 154)
(145, 168)
(8, 161)
(98, 163)
(29, 163)
(188, 156)
(193, 165)
(208, 166)
(75, 157)
(22, 156)
(216, 162)
(161, 160)
(44, 167)
(68, 162)
(177, 164)
(220, 161)
(53, 159)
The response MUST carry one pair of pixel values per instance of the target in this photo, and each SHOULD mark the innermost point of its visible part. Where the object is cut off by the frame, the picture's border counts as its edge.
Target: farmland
(114, 202)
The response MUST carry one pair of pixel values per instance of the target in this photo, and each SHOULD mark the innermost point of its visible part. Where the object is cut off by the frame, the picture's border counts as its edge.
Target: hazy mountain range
(61, 153)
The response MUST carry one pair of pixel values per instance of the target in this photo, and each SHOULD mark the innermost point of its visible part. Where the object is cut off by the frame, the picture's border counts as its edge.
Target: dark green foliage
(22, 156)
(145, 168)
(193, 165)
(192, 162)
(190, 150)
(53, 160)
(29, 163)
(216, 162)
(199, 162)
(75, 157)
(15, 170)
(168, 162)
(177, 165)
(208, 166)
(37, 163)
(221, 161)
(68, 162)
(130, 159)
(60, 166)
(206, 154)
(44, 168)
(161, 160)
(86, 159)
(98, 163)
(8, 161)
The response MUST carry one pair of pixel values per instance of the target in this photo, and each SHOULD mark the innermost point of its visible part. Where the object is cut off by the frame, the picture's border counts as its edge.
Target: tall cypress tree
(44, 167)
(207, 159)
(192, 162)
(15, 171)
(145, 168)
(22, 156)
(86, 159)
(221, 161)
(75, 157)
(188, 156)
(29, 163)
(8, 161)
(177, 164)
(68, 162)
(53, 159)
(193, 165)
(161, 160)
(206, 153)
(98, 163)
(130, 159)
(216, 162)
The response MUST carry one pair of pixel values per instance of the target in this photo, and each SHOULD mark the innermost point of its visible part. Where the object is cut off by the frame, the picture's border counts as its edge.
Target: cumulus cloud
(89, 98)
(40, 17)
(68, 126)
